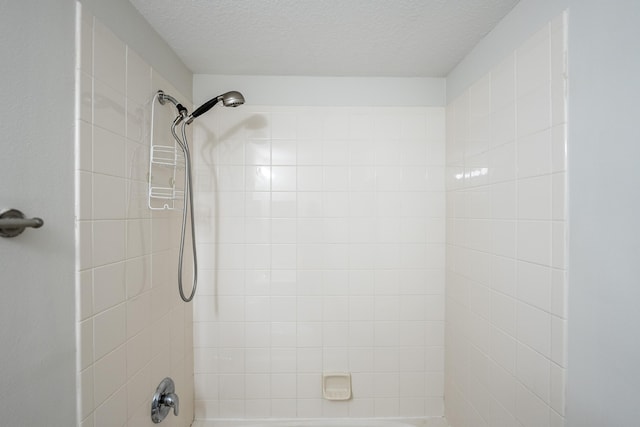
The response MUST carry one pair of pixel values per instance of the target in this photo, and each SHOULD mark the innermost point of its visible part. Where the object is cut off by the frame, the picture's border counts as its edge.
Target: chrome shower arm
(163, 98)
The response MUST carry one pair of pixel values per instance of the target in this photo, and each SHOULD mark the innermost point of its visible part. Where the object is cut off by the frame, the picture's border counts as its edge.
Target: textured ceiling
(384, 38)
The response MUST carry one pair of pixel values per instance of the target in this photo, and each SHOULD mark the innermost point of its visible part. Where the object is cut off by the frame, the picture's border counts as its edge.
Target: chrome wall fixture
(13, 222)
(163, 400)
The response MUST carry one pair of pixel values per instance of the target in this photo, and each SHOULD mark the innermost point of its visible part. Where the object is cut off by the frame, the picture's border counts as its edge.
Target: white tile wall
(506, 289)
(321, 238)
(124, 250)
(322, 248)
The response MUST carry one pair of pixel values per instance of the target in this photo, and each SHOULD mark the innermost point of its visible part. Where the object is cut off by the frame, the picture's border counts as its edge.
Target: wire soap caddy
(166, 167)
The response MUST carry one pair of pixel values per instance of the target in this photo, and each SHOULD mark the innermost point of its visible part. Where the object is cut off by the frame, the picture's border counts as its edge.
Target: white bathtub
(330, 422)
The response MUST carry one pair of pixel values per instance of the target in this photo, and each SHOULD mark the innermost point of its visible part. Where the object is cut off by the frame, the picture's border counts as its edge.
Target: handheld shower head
(229, 99)
(232, 99)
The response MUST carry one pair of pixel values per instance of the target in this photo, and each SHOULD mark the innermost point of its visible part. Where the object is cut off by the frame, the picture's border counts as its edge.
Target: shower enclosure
(321, 235)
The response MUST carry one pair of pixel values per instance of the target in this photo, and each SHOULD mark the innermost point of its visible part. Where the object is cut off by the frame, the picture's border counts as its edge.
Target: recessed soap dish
(336, 386)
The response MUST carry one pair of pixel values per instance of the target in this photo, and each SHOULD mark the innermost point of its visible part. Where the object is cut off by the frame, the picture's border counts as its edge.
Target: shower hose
(187, 206)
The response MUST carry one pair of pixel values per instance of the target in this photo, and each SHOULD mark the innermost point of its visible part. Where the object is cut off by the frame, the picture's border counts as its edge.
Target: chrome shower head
(229, 99)
(232, 99)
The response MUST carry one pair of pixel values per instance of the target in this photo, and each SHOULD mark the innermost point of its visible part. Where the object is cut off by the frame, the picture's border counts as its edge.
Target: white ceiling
(382, 38)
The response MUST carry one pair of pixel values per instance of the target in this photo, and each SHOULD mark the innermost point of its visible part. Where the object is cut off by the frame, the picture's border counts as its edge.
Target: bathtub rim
(323, 422)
